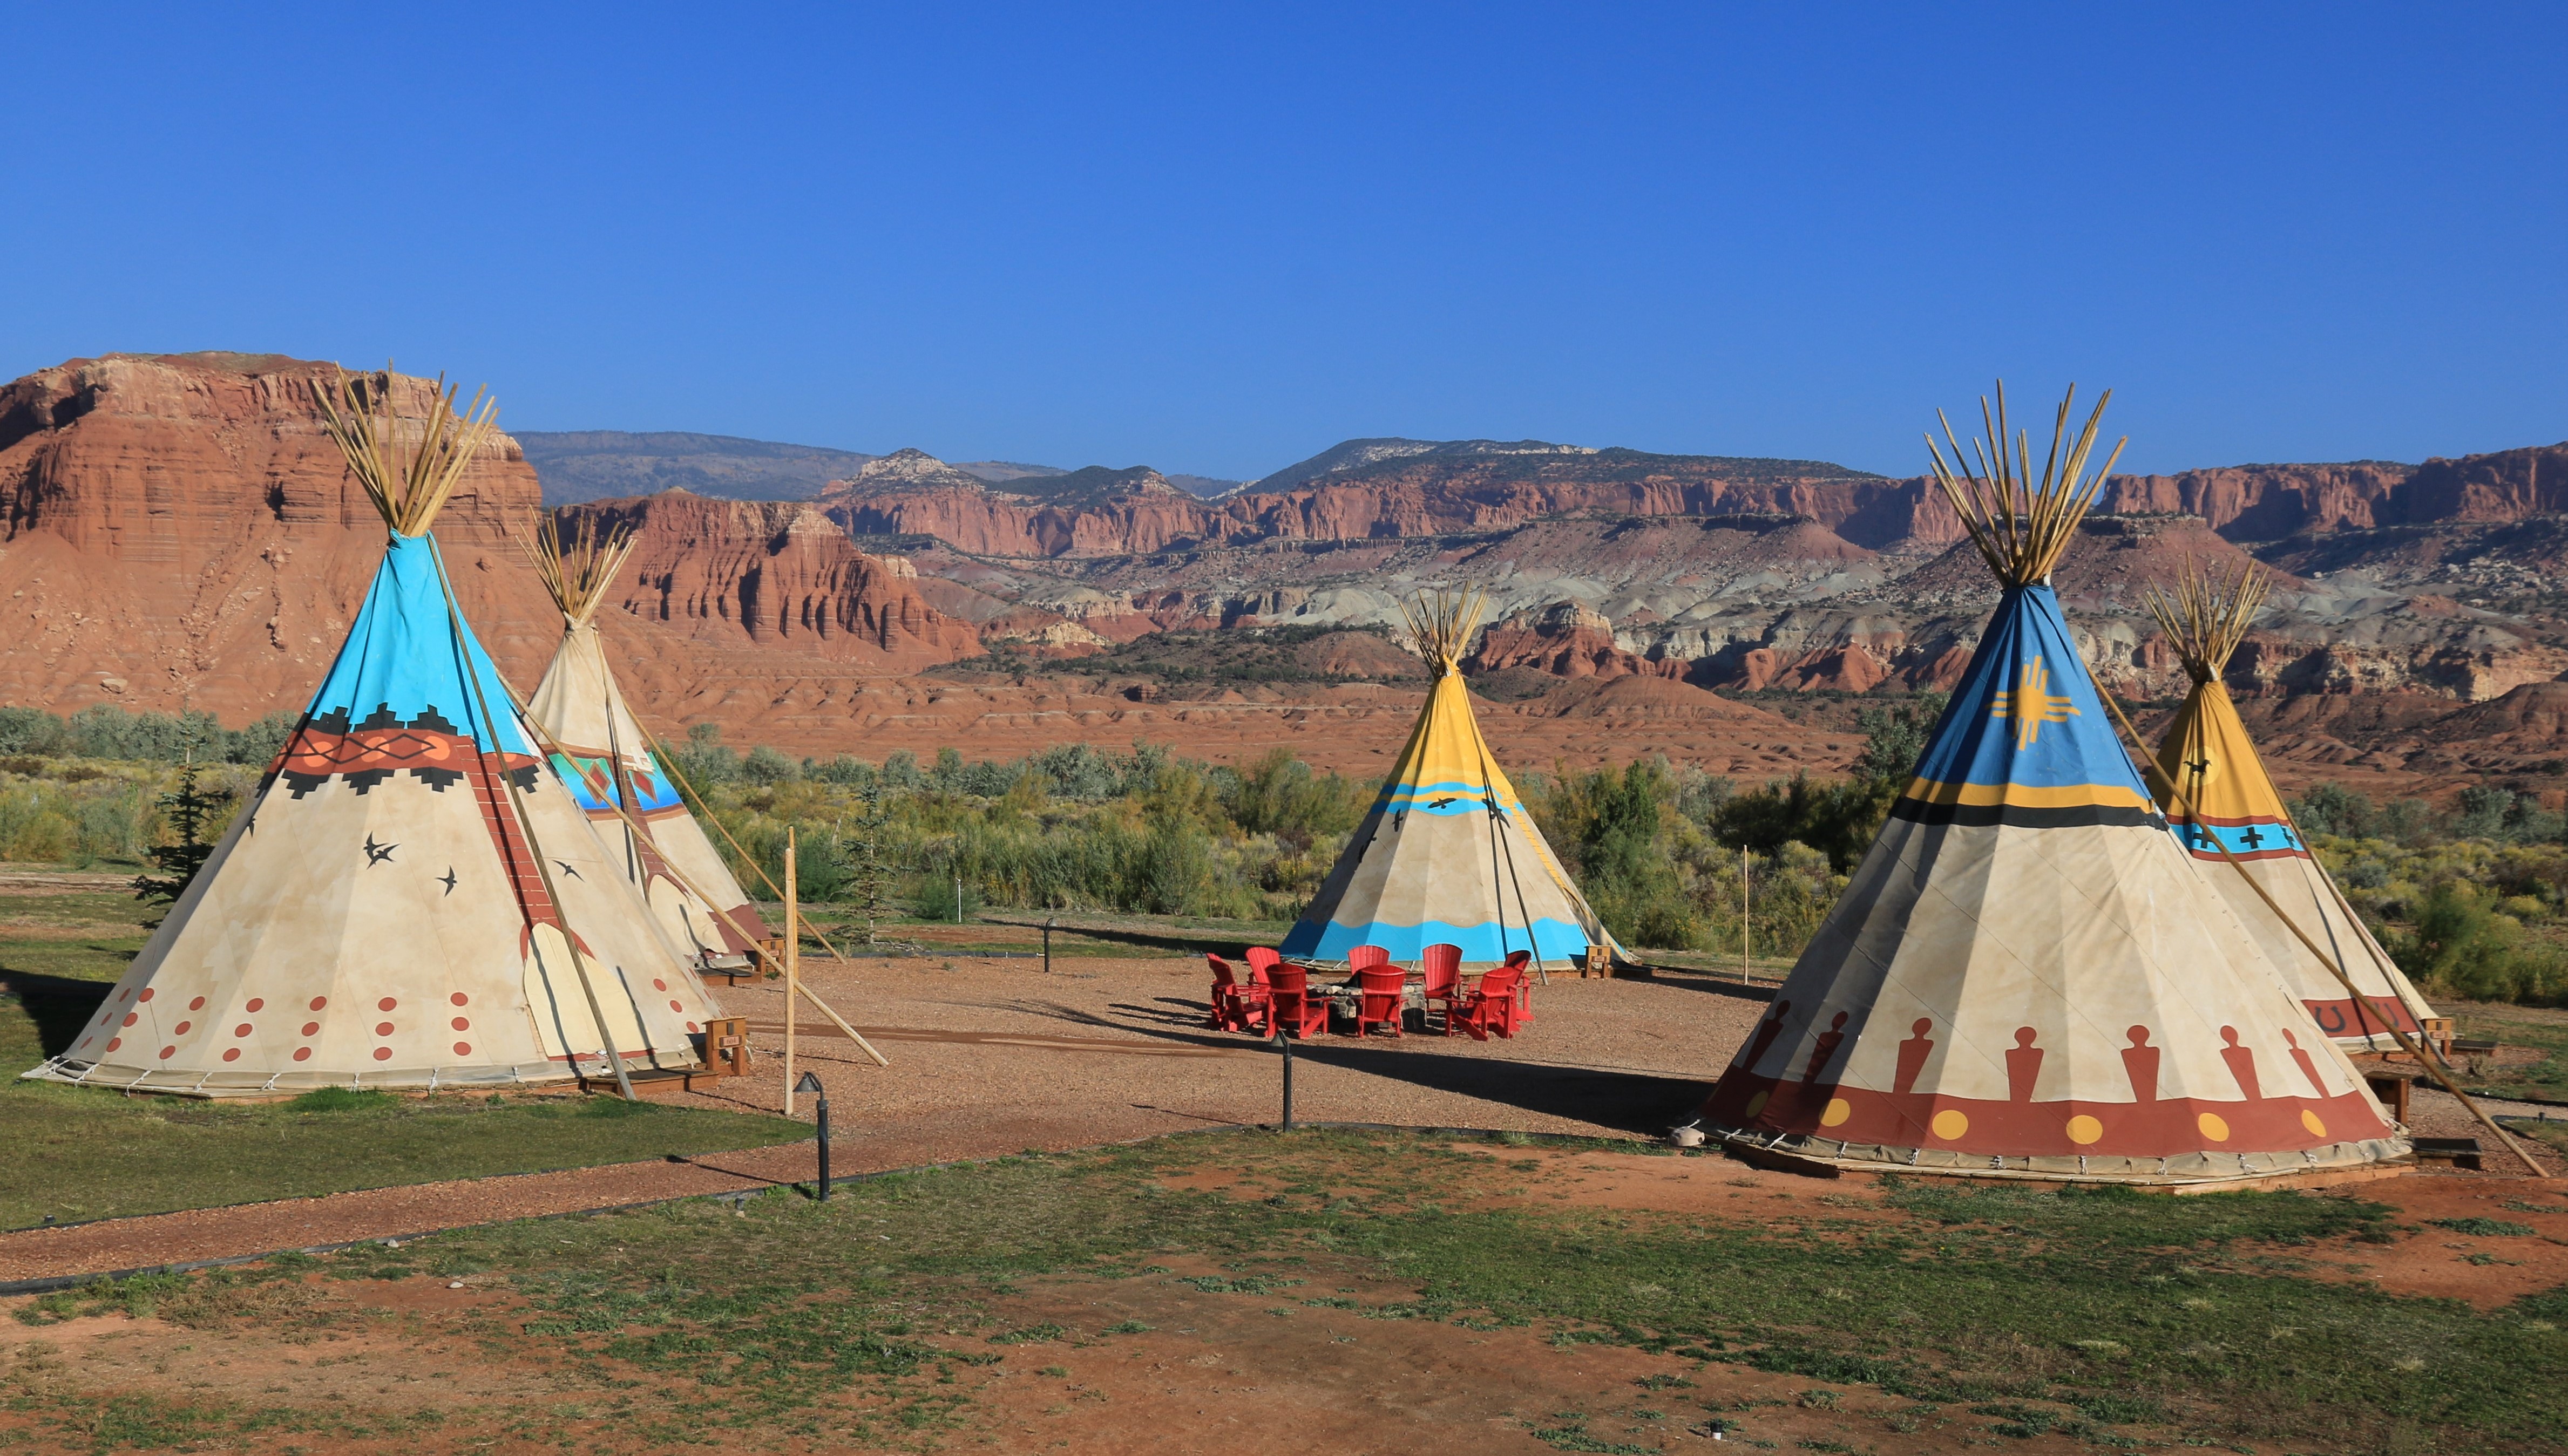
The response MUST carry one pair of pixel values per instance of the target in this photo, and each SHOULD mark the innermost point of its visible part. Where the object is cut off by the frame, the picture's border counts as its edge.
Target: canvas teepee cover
(2206, 750)
(2027, 974)
(377, 916)
(1447, 853)
(606, 760)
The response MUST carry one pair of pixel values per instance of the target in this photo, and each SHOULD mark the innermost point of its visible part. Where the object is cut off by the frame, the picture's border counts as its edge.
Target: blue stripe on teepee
(1487, 940)
(403, 665)
(2025, 727)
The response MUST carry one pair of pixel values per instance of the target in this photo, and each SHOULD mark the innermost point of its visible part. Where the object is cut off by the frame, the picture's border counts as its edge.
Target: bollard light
(810, 1085)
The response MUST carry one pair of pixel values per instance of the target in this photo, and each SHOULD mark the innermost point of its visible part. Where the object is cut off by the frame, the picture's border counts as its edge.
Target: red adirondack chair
(1260, 959)
(1490, 1008)
(1383, 989)
(1291, 1004)
(1234, 1005)
(1517, 961)
(1366, 957)
(1442, 966)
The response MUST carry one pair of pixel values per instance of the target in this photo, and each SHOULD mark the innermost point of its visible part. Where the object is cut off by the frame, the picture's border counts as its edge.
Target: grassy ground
(2515, 1026)
(2104, 1315)
(88, 933)
(76, 1153)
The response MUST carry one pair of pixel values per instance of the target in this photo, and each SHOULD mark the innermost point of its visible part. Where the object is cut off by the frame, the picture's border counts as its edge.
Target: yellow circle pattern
(1756, 1104)
(1838, 1110)
(2311, 1122)
(2083, 1129)
(1950, 1124)
(2213, 1126)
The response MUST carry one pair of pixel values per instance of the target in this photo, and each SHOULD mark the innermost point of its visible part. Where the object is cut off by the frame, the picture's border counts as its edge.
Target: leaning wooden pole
(793, 968)
(550, 745)
(2405, 1042)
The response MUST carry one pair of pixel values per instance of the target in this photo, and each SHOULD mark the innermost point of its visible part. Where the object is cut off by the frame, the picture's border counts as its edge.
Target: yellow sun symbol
(2032, 704)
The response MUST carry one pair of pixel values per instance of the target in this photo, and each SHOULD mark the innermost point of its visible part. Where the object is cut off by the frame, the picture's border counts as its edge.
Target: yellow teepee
(2206, 750)
(1449, 853)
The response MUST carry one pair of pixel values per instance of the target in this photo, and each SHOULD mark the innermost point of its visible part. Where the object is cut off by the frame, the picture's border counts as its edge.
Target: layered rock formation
(778, 574)
(179, 532)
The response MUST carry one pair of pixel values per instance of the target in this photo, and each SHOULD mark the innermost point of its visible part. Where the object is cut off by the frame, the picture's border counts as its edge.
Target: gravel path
(994, 1056)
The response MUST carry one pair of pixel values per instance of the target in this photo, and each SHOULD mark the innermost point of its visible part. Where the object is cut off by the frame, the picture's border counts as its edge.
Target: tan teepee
(2229, 802)
(407, 900)
(603, 755)
(2026, 977)
(1447, 853)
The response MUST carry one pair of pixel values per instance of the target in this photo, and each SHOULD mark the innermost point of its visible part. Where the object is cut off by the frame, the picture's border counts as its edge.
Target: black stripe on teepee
(1981, 816)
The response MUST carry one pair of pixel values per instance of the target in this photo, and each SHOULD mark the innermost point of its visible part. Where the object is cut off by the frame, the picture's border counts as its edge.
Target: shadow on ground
(58, 1005)
(1637, 1102)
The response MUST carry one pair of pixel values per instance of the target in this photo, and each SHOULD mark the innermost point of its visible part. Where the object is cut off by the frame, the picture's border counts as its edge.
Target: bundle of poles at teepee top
(576, 572)
(2023, 523)
(1440, 624)
(407, 465)
(2204, 617)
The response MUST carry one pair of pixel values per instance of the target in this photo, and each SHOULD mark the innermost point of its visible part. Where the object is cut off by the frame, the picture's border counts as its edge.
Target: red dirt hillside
(181, 533)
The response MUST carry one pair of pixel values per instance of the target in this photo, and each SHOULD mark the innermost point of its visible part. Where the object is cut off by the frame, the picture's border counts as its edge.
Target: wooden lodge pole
(793, 965)
(1743, 914)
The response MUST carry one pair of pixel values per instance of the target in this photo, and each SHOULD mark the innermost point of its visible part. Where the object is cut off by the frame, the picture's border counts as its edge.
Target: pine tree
(190, 808)
(870, 879)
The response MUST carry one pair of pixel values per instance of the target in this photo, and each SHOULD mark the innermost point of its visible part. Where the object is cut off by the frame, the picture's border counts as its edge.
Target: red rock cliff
(179, 533)
(778, 574)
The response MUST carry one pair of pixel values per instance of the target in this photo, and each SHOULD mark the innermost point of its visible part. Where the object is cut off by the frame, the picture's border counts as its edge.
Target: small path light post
(811, 1083)
(1286, 1043)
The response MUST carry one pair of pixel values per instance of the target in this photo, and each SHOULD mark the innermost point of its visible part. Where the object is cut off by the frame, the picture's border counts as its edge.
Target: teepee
(2026, 976)
(600, 753)
(1447, 853)
(409, 900)
(2233, 805)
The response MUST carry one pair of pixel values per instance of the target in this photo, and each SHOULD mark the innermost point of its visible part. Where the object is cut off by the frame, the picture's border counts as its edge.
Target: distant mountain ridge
(599, 464)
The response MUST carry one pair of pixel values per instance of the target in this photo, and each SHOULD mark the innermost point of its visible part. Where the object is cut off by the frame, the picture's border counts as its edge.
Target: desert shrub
(702, 759)
(31, 828)
(767, 767)
(1279, 794)
(1839, 820)
(114, 823)
(2463, 944)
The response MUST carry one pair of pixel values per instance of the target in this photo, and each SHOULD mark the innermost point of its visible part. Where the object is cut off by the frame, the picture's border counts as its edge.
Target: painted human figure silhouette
(2024, 1065)
(1912, 1056)
(2309, 1068)
(2242, 1062)
(1824, 1048)
(2140, 1061)
(1765, 1036)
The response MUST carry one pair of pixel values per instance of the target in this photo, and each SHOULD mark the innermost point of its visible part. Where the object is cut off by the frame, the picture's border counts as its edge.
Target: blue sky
(1220, 239)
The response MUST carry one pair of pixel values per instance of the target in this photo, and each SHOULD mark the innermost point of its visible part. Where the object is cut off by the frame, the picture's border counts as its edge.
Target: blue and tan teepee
(2228, 802)
(409, 900)
(2026, 976)
(1447, 853)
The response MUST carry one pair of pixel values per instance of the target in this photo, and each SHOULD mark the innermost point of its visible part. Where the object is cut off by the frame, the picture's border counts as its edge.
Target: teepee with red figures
(2026, 976)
